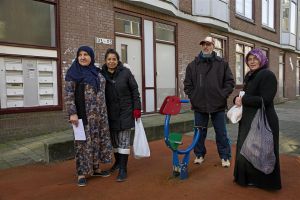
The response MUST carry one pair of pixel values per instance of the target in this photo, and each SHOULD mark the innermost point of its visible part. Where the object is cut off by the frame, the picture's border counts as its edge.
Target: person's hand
(137, 113)
(74, 119)
(238, 101)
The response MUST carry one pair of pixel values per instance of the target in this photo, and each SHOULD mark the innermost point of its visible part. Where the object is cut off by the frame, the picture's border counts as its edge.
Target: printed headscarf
(263, 60)
(84, 74)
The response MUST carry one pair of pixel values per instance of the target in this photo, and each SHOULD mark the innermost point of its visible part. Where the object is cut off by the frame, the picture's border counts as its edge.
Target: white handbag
(140, 144)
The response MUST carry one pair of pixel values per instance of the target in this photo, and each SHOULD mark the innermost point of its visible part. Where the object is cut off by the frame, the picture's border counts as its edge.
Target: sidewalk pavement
(32, 150)
(36, 149)
(150, 178)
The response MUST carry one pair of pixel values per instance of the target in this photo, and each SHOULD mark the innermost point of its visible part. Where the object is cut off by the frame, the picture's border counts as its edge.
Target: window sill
(244, 18)
(30, 109)
(268, 28)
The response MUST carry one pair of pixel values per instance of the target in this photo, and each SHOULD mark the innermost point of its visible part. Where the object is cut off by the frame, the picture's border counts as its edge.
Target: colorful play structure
(172, 106)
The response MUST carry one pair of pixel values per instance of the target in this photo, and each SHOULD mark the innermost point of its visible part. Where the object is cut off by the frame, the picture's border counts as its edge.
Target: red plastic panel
(170, 106)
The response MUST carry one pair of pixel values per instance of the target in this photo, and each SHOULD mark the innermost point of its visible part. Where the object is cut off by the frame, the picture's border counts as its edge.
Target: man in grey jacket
(208, 83)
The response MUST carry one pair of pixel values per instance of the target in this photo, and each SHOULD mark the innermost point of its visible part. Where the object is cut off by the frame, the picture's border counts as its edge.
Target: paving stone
(4, 164)
(20, 162)
(59, 145)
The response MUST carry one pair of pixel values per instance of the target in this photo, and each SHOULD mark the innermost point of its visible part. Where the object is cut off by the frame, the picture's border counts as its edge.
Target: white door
(130, 53)
(165, 72)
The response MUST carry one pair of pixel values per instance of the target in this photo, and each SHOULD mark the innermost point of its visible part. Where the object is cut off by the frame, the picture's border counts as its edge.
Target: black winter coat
(208, 83)
(122, 97)
(262, 83)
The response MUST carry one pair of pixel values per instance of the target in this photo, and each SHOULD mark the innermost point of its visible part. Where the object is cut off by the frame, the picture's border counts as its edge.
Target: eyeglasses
(253, 59)
(207, 44)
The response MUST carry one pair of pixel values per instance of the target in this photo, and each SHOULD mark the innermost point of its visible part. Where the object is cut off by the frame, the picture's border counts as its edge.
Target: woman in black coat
(259, 83)
(123, 107)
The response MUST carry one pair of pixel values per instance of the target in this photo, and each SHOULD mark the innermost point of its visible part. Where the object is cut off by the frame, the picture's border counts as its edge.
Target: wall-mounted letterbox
(26, 82)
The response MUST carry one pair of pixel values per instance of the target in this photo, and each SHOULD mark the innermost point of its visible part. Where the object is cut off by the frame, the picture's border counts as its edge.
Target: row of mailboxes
(27, 82)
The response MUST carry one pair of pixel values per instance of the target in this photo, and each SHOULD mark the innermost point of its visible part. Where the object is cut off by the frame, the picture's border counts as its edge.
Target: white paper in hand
(79, 133)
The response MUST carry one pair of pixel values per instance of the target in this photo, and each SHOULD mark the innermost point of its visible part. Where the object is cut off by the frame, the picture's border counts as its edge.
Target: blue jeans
(219, 123)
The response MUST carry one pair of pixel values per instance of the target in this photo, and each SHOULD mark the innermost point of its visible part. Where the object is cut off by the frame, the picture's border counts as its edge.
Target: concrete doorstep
(63, 149)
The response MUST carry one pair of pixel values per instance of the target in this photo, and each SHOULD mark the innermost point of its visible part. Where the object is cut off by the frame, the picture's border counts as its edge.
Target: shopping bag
(234, 114)
(258, 147)
(140, 143)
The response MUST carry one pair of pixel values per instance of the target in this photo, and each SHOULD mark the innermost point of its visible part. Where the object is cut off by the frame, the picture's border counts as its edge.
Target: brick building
(39, 39)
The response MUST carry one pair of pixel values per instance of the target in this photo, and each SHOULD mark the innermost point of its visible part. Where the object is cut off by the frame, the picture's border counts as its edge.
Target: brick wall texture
(82, 21)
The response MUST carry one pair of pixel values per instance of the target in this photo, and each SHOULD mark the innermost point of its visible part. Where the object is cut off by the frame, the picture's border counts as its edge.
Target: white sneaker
(199, 160)
(225, 163)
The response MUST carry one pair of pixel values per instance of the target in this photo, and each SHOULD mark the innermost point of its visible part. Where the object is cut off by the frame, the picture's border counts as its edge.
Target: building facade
(39, 39)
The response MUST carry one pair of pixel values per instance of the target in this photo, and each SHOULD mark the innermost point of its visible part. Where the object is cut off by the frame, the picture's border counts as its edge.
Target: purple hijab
(260, 56)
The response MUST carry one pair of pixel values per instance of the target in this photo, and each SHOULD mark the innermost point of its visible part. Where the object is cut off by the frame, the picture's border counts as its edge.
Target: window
(220, 45)
(34, 19)
(127, 24)
(293, 18)
(289, 13)
(124, 56)
(285, 15)
(165, 32)
(217, 9)
(265, 52)
(299, 23)
(268, 13)
(244, 8)
(240, 65)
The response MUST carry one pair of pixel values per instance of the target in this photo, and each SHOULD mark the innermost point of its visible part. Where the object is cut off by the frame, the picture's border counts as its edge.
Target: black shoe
(123, 159)
(116, 165)
(251, 185)
(176, 174)
(81, 182)
(122, 176)
(104, 173)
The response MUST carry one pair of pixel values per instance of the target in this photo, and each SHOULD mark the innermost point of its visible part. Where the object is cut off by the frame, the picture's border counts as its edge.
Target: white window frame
(267, 9)
(223, 47)
(244, 53)
(244, 8)
(293, 17)
(129, 19)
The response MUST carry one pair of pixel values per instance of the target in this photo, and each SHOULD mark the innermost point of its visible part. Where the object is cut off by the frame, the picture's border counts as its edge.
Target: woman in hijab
(259, 83)
(85, 99)
(123, 105)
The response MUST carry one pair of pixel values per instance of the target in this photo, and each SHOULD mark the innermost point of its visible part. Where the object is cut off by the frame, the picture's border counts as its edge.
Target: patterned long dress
(97, 148)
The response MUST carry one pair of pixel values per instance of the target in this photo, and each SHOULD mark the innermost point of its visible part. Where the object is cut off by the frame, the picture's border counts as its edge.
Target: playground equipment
(171, 106)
